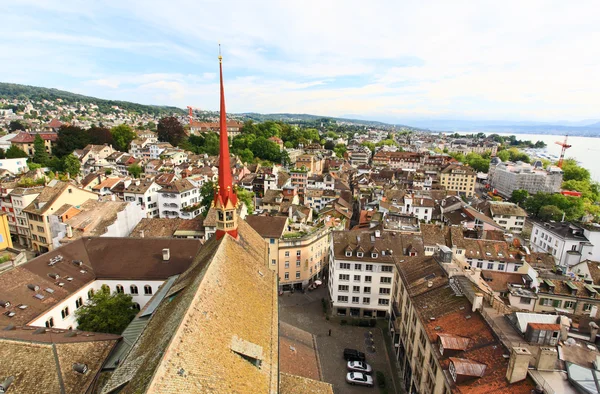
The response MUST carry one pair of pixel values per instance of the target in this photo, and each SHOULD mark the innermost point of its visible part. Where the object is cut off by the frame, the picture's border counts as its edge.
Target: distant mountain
(35, 93)
(291, 118)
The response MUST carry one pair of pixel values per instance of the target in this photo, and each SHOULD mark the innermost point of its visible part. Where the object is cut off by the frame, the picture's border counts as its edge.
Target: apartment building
(565, 241)
(313, 163)
(359, 155)
(507, 177)
(50, 199)
(443, 344)
(25, 141)
(567, 296)
(179, 199)
(459, 178)
(362, 269)
(15, 166)
(298, 258)
(21, 197)
(144, 193)
(508, 215)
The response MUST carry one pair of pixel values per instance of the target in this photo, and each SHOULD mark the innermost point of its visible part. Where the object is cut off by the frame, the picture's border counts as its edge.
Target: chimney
(166, 254)
(593, 331)
(477, 302)
(593, 312)
(518, 364)
(69, 231)
(565, 324)
(546, 359)
(6, 384)
(113, 197)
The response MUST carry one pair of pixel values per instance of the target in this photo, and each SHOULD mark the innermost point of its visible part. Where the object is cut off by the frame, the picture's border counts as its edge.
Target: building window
(272, 241)
(367, 290)
(501, 267)
(78, 303)
(287, 264)
(345, 266)
(136, 306)
(273, 262)
(366, 300)
(148, 290)
(133, 289)
(120, 289)
(357, 278)
(50, 323)
(344, 277)
(569, 305)
(90, 293)
(587, 307)
(343, 288)
(287, 254)
(297, 263)
(384, 291)
(386, 268)
(286, 276)
(348, 253)
(355, 300)
(342, 298)
(369, 267)
(368, 279)
(385, 279)
(358, 267)
(297, 274)
(490, 266)
(359, 254)
(383, 301)
(65, 312)
(356, 289)
(298, 253)
(480, 264)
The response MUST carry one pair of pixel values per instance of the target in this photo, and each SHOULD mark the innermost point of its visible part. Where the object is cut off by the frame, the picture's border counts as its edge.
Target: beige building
(459, 178)
(53, 196)
(298, 258)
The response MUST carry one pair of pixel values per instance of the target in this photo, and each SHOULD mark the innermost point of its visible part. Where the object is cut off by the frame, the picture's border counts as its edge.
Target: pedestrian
(330, 332)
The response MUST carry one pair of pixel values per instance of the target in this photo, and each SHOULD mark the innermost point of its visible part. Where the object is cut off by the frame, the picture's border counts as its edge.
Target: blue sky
(387, 60)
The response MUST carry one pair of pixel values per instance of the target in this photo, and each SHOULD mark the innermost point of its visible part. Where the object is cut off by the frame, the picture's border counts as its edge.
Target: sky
(382, 60)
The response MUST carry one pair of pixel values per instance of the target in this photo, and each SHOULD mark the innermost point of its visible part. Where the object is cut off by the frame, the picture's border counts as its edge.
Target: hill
(35, 93)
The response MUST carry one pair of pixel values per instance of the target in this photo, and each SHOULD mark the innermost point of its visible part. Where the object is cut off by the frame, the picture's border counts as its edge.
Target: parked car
(359, 378)
(353, 355)
(359, 366)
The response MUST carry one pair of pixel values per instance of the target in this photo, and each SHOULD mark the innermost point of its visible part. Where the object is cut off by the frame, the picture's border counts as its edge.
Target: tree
(339, 150)
(106, 312)
(134, 170)
(247, 198)
(15, 125)
(503, 155)
(519, 196)
(71, 165)
(265, 149)
(550, 212)
(69, 139)
(369, 145)
(329, 145)
(246, 155)
(571, 171)
(14, 152)
(122, 135)
(2, 154)
(40, 155)
(170, 130)
(100, 136)
(207, 194)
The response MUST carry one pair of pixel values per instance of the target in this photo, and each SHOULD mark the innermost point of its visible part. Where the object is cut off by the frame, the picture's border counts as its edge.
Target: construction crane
(191, 113)
(565, 146)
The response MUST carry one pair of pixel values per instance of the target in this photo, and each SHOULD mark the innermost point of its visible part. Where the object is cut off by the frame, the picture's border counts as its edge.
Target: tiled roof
(194, 340)
(268, 226)
(292, 384)
(178, 186)
(46, 197)
(43, 362)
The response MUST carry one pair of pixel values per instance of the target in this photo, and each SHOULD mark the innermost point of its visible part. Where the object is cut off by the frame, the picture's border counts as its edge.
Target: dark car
(353, 355)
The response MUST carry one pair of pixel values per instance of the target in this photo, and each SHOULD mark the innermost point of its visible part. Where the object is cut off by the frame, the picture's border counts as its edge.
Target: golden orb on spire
(220, 57)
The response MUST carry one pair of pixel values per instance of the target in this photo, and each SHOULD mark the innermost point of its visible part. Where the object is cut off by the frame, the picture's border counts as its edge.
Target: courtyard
(305, 311)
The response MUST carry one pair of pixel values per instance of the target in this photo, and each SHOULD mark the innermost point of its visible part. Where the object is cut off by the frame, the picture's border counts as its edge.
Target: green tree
(246, 155)
(122, 135)
(369, 145)
(106, 312)
(574, 172)
(39, 155)
(71, 165)
(266, 150)
(247, 198)
(16, 125)
(519, 196)
(170, 130)
(134, 170)
(207, 194)
(503, 155)
(15, 152)
(340, 149)
(69, 139)
(100, 136)
(550, 212)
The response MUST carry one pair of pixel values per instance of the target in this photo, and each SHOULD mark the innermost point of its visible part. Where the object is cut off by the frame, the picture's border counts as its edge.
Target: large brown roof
(103, 258)
(267, 226)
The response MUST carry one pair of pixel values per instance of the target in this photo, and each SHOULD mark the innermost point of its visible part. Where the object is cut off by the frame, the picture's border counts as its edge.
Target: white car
(359, 366)
(359, 378)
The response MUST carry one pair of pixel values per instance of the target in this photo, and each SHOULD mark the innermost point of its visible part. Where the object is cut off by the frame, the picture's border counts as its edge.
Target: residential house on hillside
(180, 199)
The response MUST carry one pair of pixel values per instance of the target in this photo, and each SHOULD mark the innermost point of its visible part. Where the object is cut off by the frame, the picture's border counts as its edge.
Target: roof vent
(9, 313)
(4, 304)
(437, 328)
(49, 290)
(80, 368)
(33, 287)
(40, 330)
(6, 384)
(78, 263)
(166, 252)
(429, 283)
(54, 276)
(468, 317)
(39, 296)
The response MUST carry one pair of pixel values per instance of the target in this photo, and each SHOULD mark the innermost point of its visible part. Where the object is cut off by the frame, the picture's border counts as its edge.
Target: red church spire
(225, 197)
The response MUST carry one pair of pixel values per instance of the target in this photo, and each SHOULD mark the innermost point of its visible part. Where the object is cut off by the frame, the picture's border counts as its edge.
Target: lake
(586, 150)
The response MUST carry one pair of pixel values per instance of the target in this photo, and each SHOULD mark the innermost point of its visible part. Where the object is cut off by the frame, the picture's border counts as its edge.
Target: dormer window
(374, 255)
(359, 254)
(348, 253)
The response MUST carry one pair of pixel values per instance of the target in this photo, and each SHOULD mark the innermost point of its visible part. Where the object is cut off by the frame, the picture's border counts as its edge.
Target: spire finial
(220, 57)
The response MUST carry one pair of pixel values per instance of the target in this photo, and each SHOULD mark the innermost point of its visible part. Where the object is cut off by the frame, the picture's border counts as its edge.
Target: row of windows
(366, 300)
(368, 267)
(367, 290)
(368, 279)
